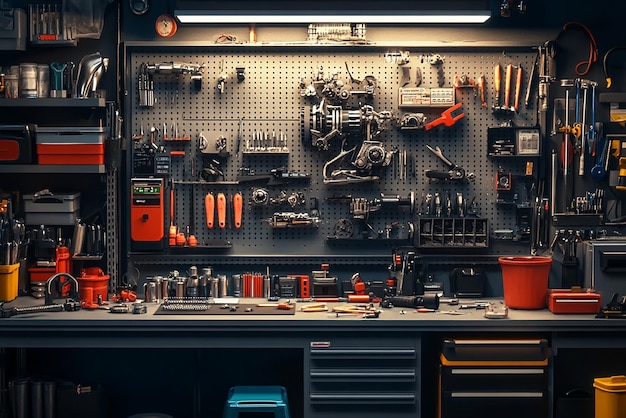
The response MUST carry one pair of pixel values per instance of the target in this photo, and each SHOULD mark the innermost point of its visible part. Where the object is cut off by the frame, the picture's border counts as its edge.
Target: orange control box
(147, 215)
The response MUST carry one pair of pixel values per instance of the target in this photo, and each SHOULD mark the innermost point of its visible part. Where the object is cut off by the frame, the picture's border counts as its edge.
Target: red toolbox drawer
(563, 301)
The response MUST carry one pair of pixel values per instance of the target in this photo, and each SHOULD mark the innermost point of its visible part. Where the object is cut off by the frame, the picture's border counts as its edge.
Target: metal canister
(215, 293)
(180, 287)
(28, 80)
(223, 283)
(159, 290)
(235, 285)
(11, 86)
(267, 286)
(192, 286)
(165, 287)
(150, 292)
(43, 80)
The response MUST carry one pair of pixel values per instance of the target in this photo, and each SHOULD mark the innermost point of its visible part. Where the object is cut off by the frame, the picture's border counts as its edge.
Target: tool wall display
(300, 129)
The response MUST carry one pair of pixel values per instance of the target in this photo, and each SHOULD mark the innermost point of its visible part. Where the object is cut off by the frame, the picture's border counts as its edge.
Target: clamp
(454, 173)
(446, 117)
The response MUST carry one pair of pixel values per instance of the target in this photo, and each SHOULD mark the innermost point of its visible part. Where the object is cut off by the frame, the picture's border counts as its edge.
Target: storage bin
(525, 281)
(51, 209)
(70, 145)
(610, 396)
(9, 275)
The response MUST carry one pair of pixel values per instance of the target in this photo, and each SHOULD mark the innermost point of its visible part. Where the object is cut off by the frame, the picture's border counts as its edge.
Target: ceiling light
(400, 17)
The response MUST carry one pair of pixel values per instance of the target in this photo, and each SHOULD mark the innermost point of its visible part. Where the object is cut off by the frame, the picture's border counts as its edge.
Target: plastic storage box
(9, 275)
(51, 209)
(610, 396)
(70, 145)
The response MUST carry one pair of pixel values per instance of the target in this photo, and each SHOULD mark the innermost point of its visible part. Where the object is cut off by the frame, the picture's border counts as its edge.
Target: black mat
(232, 309)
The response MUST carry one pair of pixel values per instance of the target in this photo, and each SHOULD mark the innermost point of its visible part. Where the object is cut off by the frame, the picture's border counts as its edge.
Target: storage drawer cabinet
(479, 376)
(356, 378)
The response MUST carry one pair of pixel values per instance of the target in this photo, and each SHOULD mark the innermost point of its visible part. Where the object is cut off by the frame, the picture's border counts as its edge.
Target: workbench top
(445, 315)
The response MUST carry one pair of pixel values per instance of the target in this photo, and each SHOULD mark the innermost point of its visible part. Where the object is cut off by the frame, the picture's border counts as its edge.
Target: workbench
(331, 365)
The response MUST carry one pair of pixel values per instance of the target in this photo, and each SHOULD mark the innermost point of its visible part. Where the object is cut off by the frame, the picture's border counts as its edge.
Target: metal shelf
(53, 168)
(54, 102)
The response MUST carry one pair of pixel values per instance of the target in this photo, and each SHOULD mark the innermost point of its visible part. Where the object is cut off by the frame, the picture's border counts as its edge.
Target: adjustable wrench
(446, 117)
(454, 173)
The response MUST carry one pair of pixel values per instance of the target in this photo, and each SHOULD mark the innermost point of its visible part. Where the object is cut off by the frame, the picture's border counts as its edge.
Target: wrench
(454, 173)
(603, 146)
(446, 117)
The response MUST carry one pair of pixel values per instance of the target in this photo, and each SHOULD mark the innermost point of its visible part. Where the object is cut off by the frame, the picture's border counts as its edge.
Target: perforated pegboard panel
(268, 100)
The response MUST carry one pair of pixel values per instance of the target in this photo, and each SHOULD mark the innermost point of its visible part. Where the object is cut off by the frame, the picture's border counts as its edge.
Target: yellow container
(9, 275)
(610, 396)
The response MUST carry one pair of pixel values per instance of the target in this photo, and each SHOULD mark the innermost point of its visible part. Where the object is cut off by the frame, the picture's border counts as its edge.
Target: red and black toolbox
(16, 144)
(568, 301)
(71, 145)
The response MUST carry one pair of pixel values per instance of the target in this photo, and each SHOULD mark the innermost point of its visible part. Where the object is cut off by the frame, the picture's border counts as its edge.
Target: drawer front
(512, 404)
(493, 378)
(356, 377)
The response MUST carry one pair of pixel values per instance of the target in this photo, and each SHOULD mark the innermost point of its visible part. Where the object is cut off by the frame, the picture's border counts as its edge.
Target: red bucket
(91, 283)
(525, 281)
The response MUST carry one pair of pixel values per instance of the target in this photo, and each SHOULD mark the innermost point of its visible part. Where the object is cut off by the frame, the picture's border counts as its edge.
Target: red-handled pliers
(446, 117)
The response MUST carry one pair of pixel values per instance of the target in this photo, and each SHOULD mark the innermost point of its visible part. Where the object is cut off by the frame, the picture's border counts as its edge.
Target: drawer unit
(361, 379)
(479, 376)
(70, 145)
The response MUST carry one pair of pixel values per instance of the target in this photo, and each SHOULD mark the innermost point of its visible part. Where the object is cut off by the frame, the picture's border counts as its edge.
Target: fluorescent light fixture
(399, 17)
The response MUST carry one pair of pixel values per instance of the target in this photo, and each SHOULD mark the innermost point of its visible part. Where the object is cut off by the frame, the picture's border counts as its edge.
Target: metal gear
(343, 228)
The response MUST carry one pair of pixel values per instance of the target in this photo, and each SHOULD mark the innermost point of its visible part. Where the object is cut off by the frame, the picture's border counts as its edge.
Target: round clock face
(166, 26)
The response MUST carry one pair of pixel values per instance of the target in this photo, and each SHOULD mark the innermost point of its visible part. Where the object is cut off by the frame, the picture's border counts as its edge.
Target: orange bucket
(525, 281)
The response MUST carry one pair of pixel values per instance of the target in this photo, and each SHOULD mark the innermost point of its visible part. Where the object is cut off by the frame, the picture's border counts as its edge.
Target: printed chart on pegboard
(336, 151)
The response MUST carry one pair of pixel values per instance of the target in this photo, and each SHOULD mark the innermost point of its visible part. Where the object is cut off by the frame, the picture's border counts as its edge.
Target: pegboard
(261, 96)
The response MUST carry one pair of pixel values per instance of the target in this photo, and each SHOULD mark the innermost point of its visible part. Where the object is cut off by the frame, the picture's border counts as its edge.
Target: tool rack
(268, 99)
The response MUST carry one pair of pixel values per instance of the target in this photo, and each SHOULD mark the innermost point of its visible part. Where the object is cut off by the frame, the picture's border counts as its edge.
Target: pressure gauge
(166, 26)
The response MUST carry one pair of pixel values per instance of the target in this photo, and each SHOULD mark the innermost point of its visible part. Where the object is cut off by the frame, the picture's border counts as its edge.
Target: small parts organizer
(453, 232)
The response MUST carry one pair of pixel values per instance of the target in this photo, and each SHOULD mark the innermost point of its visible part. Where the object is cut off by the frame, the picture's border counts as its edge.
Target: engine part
(330, 121)
(370, 157)
(343, 228)
(412, 121)
(293, 220)
(90, 70)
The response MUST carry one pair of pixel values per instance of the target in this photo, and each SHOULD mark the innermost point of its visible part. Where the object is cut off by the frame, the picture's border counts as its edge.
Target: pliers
(446, 117)
(454, 173)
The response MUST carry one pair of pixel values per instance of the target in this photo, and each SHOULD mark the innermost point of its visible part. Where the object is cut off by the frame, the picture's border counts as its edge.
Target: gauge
(166, 26)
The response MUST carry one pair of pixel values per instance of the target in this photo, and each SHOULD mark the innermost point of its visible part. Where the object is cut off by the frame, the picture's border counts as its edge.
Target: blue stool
(256, 399)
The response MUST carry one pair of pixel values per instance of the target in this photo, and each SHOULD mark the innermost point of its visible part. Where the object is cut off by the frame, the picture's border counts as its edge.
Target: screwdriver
(237, 209)
(221, 210)
(496, 83)
(209, 204)
(507, 85)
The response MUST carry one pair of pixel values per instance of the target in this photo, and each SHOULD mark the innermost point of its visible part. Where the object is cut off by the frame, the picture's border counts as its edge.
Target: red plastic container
(525, 281)
(93, 282)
